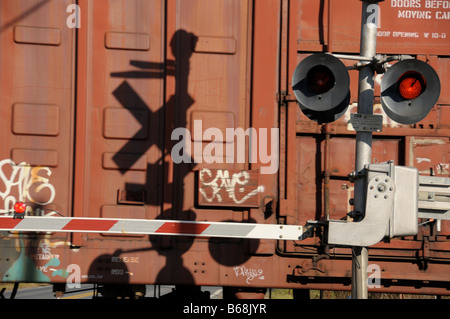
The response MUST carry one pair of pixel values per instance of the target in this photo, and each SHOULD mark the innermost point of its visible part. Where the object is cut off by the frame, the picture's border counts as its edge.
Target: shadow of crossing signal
(321, 84)
(409, 90)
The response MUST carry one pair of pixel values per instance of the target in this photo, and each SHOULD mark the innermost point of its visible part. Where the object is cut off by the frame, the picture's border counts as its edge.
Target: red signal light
(20, 207)
(321, 85)
(411, 85)
(320, 79)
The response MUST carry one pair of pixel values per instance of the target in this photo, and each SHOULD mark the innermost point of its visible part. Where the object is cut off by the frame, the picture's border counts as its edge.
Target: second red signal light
(409, 90)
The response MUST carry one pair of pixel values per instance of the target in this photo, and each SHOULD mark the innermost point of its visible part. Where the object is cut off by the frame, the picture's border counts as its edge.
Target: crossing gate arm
(152, 227)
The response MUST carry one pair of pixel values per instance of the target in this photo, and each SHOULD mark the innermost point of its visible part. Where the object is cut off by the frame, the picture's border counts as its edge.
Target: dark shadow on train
(171, 115)
(35, 7)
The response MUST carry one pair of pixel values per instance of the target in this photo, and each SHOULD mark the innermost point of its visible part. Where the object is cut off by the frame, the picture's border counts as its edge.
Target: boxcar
(92, 95)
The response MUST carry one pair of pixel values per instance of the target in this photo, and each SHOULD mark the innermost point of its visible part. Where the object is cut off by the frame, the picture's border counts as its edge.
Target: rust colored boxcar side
(121, 109)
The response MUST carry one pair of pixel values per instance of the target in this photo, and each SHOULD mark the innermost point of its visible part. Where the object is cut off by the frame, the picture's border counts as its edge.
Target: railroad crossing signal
(409, 90)
(321, 85)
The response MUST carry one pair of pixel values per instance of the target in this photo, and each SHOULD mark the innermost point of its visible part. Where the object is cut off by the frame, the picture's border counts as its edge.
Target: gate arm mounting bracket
(390, 210)
(373, 228)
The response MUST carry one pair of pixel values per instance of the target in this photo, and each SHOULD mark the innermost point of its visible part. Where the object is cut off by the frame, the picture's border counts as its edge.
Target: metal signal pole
(363, 153)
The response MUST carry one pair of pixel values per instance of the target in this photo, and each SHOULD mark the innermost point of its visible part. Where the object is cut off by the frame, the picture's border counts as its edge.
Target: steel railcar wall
(91, 111)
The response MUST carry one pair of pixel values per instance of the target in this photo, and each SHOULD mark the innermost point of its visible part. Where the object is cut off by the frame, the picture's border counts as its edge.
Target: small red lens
(411, 85)
(320, 79)
(19, 207)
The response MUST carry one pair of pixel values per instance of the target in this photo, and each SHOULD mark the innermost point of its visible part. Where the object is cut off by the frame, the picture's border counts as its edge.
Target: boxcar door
(119, 110)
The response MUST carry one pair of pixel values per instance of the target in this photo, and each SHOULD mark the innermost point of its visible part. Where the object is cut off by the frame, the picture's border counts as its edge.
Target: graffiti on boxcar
(249, 273)
(46, 261)
(45, 252)
(22, 182)
(231, 183)
(35, 261)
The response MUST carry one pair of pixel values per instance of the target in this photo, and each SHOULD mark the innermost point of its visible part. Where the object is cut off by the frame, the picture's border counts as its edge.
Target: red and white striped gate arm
(151, 227)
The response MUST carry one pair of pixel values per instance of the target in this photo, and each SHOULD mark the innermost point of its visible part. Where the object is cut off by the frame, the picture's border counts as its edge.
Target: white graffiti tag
(249, 273)
(227, 182)
(22, 182)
